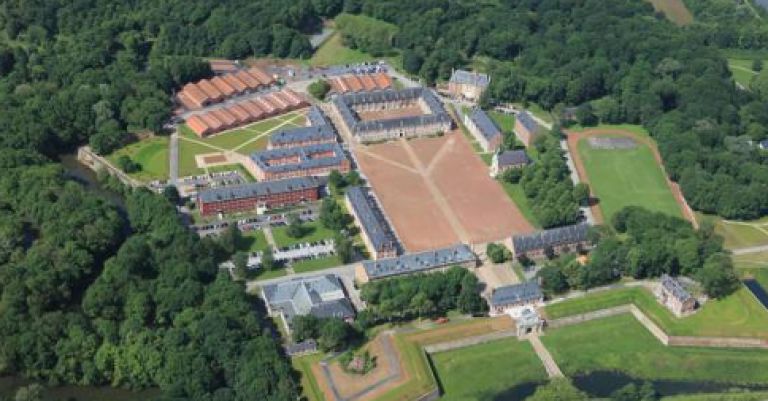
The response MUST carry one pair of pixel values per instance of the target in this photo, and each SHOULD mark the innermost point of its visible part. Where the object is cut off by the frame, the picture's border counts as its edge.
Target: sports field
(241, 141)
(622, 344)
(489, 371)
(623, 177)
(437, 192)
(151, 154)
(738, 315)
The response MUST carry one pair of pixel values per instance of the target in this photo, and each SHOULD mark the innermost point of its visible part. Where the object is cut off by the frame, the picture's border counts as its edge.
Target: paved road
(345, 271)
(173, 159)
(546, 358)
(751, 249)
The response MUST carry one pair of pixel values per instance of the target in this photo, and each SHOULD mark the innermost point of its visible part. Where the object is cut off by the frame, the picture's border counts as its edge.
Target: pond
(760, 293)
(87, 177)
(603, 383)
(9, 385)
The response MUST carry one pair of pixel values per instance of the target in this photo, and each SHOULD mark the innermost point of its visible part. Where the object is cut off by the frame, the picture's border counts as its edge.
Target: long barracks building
(301, 161)
(261, 194)
(318, 131)
(435, 119)
(421, 262)
(376, 232)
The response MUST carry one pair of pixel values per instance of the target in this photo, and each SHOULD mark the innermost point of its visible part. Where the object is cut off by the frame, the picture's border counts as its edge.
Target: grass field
(674, 10)
(515, 191)
(482, 372)
(151, 154)
(739, 234)
(505, 121)
(625, 345)
(624, 177)
(731, 396)
(312, 265)
(315, 232)
(758, 260)
(741, 68)
(334, 52)
(738, 315)
(244, 140)
(253, 241)
(309, 387)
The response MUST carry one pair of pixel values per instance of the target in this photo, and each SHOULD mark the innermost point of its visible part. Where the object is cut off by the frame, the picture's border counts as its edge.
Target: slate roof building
(526, 128)
(377, 234)
(321, 296)
(434, 120)
(672, 295)
(266, 194)
(508, 298)
(508, 159)
(421, 262)
(559, 240)
(318, 131)
(467, 84)
(483, 129)
(300, 161)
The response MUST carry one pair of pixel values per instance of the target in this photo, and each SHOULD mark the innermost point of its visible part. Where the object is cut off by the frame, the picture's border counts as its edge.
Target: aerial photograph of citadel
(384, 200)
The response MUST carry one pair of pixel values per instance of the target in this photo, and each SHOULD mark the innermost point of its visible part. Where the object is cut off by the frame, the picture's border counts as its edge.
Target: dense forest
(632, 65)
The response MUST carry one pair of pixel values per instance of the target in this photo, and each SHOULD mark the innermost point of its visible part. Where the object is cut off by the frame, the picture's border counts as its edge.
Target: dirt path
(546, 358)
(573, 142)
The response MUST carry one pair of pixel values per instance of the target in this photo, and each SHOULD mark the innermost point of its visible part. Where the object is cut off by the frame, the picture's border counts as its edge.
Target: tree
(581, 193)
(336, 181)
(757, 65)
(295, 227)
(332, 216)
(240, 260)
(334, 334)
(305, 327)
(128, 166)
(268, 262)
(558, 390)
(717, 276)
(412, 61)
(344, 248)
(497, 253)
(353, 179)
(230, 239)
(632, 392)
(512, 175)
(172, 194)
(33, 392)
(553, 281)
(319, 89)
(469, 300)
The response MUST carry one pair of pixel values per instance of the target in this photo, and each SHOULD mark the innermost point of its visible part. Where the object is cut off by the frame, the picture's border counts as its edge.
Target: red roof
(227, 119)
(253, 109)
(238, 111)
(268, 107)
(237, 84)
(368, 82)
(211, 121)
(195, 95)
(354, 83)
(279, 103)
(248, 79)
(261, 76)
(198, 126)
(210, 90)
(223, 86)
(383, 80)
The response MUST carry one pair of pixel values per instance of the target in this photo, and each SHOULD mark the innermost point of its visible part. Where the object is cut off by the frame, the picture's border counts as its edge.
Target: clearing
(674, 10)
(151, 154)
(739, 234)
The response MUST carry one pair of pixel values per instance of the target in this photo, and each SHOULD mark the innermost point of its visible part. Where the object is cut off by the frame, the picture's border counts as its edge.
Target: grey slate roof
(344, 103)
(301, 348)
(321, 296)
(316, 117)
(673, 286)
(517, 293)
(258, 189)
(513, 158)
(527, 121)
(376, 228)
(553, 237)
(465, 77)
(764, 144)
(303, 134)
(418, 262)
(304, 153)
(484, 124)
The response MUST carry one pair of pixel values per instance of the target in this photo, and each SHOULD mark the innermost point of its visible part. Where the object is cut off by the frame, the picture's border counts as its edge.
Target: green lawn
(633, 128)
(151, 154)
(622, 344)
(738, 315)
(622, 178)
(253, 241)
(315, 232)
(255, 146)
(758, 260)
(505, 121)
(234, 138)
(311, 265)
(187, 152)
(334, 52)
(483, 371)
(742, 70)
(310, 390)
(737, 234)
(421, 379)
(262, 274)
(746, 396)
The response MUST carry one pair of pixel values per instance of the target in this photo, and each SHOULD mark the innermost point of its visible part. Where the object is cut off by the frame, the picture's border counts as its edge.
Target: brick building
(421, 262)
(377, 234)
(672, 295)
(507, 160)
(557, 240)
(468, 85)
(300, 161)
(526, 128)
(206, 92)
(485, 131)
(258, 195)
